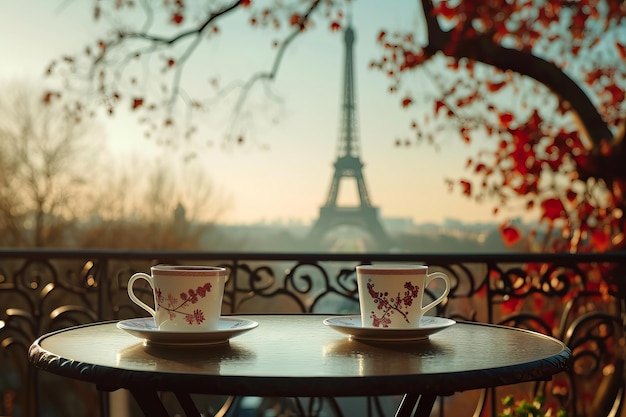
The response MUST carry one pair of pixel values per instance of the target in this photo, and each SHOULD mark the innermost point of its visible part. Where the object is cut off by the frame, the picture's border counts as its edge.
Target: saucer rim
(159, 337)
(358, 332)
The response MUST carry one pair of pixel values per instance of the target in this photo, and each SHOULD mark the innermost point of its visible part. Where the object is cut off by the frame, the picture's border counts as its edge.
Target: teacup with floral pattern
(186, 298)
(391, 296)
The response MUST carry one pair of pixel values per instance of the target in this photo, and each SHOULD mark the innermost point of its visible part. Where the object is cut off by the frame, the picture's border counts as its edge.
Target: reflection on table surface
(285, 354)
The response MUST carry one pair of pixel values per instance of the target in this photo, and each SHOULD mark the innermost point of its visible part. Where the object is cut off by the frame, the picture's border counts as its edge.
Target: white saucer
(144, 328)
(351, 325)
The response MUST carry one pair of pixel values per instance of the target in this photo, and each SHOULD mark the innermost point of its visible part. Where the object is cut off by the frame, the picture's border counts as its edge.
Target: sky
(285, 173)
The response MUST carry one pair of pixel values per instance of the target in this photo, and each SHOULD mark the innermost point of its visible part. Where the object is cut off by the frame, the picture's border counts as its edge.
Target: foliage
(551, 96)
(524, 408)
(539, 83)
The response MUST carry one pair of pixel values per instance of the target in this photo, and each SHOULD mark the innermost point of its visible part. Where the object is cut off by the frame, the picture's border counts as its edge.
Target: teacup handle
(131, 294)
(431, 277)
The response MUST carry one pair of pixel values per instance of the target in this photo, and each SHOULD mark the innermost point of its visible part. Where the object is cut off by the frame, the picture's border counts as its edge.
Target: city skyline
(287, 176)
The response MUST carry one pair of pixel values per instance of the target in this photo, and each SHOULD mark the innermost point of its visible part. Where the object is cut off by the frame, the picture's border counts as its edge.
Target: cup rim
(396, 269)
(188, 270)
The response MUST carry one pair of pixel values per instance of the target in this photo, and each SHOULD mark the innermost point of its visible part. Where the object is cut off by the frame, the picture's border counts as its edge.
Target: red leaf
(438, 105)
(381, 36)
(444, 10)
(465, 134)
(493, 87)
(505, 119)
(621, 49)
(616, 93)
(177, 18)
(467, 187)
(510, 306)
(245, 3)
(600, 240)
(171, 62)
(294, 20)
(137, 102)
(534, 121)
(510, 234)
(47, 97)
(571, 195)
(552, 208)
(411, 60)
(406, 102)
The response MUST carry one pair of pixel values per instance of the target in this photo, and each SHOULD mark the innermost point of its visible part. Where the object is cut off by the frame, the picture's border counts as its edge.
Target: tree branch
(143, 35)
(271, 74)
(190, 32)
(483, 49)
(547, 73)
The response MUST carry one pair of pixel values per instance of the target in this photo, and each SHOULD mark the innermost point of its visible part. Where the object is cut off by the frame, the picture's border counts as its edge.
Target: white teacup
(391, 296)
(186, 298)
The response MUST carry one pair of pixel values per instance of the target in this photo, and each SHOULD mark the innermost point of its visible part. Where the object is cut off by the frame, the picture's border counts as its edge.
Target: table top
(297, 355)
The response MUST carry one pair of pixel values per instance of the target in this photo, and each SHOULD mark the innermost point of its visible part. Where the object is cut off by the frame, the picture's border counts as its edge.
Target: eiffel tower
(349, 167)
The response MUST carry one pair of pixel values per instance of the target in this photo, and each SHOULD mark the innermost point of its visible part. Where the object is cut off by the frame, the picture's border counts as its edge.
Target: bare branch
(271, 74)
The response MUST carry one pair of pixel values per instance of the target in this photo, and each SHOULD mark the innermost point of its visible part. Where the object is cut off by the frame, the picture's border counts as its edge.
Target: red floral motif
(389, 306)
(177, 305)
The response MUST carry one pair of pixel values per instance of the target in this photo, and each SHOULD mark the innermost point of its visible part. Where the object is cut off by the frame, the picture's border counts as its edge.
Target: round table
(298, 356)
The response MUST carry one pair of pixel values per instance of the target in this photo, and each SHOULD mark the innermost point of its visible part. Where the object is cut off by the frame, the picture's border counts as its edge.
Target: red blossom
(198, 316)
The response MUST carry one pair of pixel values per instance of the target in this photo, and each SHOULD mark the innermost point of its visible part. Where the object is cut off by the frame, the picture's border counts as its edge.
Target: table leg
(407, 407)
(185, 401)
(425, 405)
(150, 403)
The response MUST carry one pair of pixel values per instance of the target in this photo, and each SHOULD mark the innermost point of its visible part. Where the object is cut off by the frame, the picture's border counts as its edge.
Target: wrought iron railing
(578, 298)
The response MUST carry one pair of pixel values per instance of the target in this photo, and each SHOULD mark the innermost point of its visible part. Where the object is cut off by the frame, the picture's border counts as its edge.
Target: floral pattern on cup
(179, 305)
(391, 305)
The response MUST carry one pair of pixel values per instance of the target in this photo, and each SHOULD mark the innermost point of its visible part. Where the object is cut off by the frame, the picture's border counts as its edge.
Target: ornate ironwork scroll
(576, 298)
